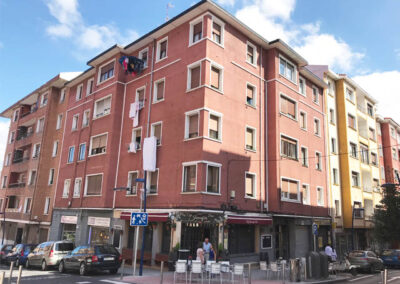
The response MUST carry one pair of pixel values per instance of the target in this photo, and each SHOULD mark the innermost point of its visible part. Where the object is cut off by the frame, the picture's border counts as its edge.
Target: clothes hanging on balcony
(132, 65)
(134, 113)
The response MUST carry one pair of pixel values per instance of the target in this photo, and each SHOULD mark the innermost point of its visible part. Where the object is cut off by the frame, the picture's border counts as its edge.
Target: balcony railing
(24, 136)
(15, 185)
(368, 188)
(20, 160)
(33, 109)
(362, 108)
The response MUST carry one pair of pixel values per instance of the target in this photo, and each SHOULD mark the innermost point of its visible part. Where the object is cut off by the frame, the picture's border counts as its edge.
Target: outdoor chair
(197, 268)
(276, 270)
(264, 267)
(180, 268)
(215, 270)
(238, 270)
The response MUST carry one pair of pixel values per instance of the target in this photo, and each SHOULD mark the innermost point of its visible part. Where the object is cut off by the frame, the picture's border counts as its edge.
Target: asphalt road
(364, 278)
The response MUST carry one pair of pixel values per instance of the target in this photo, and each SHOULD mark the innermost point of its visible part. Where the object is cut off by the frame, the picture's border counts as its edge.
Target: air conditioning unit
(132, 148)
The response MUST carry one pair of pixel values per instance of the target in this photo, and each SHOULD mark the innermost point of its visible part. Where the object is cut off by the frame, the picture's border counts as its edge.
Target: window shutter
(249, 138)
(291, 108)
(217, 29)
(249, 185)
(103, 141)
(214, 122)
(285, 187)
(94, 185)
(157, 131)
(250, 92)
(160, 90)
(215, 73)
(195, 77)
(292, 189)
(284, 105)
(96, 142)
(193, 124)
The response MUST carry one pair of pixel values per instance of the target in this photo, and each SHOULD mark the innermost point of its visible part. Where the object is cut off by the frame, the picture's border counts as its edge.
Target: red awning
(153, 217)
(252, 220)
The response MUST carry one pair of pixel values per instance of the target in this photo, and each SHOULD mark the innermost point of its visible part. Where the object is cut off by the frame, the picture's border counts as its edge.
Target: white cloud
(70, 24)
(4, 126)
(384, 87)
(226, 2)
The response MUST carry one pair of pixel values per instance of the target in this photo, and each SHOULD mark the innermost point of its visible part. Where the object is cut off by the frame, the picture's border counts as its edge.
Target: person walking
(207, 248)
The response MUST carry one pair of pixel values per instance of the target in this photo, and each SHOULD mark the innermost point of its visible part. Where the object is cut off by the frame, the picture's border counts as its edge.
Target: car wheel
(27, 264)
(82, 269)
(44, 265)
(113, 271)
(61, 267)
(353, 271)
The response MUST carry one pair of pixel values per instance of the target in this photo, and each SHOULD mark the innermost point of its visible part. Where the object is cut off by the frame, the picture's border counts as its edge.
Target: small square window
(102, 107)
(290, 190)
(288, 107)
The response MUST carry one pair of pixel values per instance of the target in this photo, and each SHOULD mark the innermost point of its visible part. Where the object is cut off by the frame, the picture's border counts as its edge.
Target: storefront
(68, 227)
(99, 230)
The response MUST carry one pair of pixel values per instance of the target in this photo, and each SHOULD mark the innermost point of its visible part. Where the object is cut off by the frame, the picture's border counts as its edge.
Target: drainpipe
(260, 127)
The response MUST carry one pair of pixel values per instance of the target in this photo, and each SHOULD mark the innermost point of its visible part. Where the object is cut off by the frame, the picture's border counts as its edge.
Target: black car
(19, 254)
(4, 250)
(91, 258)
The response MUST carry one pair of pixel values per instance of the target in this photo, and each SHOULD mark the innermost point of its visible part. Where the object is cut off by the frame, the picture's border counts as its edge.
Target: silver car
(48, 254)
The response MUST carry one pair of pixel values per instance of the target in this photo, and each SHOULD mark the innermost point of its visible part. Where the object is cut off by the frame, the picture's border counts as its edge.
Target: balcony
(20, 160)
(16, 185)
(28, 110)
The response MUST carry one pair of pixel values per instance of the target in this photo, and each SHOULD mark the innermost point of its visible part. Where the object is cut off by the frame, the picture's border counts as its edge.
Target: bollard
(11, 271)
(162, 272)
(122, 269)
(19, 274)
(2, 277)
(384, 276)
(249, 273)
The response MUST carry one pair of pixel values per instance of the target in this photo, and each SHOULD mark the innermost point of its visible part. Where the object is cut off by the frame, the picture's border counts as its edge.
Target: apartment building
(31, 160)
(390, 149)
(240, 133)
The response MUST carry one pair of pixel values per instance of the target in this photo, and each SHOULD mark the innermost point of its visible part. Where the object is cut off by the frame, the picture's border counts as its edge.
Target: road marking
(83, 282)
(114, 282)
(394, 278)
(359, 278)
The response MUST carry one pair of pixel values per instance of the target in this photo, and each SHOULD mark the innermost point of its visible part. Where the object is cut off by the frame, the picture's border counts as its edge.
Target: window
(46, 206)
(335, 176)
(8, 160)
(350, 95)
(374, 159)
(77, 187)
(78, 95)
(317, 127)
(250, 185)
(303, 120)
(288, 107)
(214, 127)
(36, 151)
(12, 137)
(106, 72)
(306, 194)
(217, 32)
(32, 177)
(304, 156)
(98, 144)
(338, 211)
(13, 202)
(380, 149)
(189, 178)
(93, 184)
(102, 107)
(251, 95)
(27, 205)
(213, 176)
(152, 182)
(250, 138)
(318, 161)
(71, 152)
(351, 121)
(40, 125)
(156, 130)
(394, 153)
(16, 115)
(315, 97)
(353, 150)
(89, 87)
(4, 182)
(196, 31)
(333, 145)
(369, 211)
(67, 184)
(288, 148)
(216, 78)
(332, 115)
(59, 121)
(320, 196)
(392, 132)
(355, 179)
(375, 184)
(371, 133)
(51, 176)
(192, 125)
(382, 173)
(62, 96)
(137, 137)
(287, 69)
(86, 118)
(289, 190)
(162, 46)
(140, 96)
(143, 55)
(194, 76)
(159, 90)
(43, 100)
(82, 149)
(251, 53)
(331, 88)
(75, 120)
(370, 110)
(364, 153)
(302, 86)
(378, 128)
(132, 184)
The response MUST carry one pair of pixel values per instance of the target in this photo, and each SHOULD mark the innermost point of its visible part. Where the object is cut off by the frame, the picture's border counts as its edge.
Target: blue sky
(39, 39)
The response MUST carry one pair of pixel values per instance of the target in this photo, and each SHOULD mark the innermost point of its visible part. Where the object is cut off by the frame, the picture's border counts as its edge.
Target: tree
(387, 217)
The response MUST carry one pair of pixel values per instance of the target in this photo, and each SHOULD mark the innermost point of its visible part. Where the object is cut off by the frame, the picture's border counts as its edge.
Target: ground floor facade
(18, 231)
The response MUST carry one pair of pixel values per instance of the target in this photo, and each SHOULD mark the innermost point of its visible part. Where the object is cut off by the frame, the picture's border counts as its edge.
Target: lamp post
(352, 224)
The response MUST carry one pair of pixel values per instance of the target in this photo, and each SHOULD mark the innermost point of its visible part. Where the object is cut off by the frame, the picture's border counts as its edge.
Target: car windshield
(387, 253)
(64, 246)
(105, 250)
(357, 254)
(28, 248)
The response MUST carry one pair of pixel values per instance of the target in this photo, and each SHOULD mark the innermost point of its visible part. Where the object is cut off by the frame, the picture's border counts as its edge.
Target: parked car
(19, 254)
(391, 257)
(48, 254)
(366, 260)
(91, 258)
(4, 250)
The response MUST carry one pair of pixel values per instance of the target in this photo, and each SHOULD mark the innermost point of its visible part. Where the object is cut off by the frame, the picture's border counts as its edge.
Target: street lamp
(352, 223)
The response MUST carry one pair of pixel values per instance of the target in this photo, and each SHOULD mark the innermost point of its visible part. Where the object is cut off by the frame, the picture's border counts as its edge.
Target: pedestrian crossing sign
(139, 219)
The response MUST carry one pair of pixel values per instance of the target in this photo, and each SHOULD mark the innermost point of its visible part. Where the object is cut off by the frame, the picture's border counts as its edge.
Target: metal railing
(15, 185)
(20, 160)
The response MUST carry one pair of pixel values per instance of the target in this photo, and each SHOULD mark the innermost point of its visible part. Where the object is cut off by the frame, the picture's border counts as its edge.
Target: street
(364, 278)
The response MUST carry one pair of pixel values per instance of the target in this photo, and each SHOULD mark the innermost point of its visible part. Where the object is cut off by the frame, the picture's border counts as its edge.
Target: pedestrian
(328, 252)
(200, 252)
(207, 248)
(213, 256)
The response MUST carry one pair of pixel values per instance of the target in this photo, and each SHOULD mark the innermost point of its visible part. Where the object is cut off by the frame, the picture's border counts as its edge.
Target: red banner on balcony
(249, 220)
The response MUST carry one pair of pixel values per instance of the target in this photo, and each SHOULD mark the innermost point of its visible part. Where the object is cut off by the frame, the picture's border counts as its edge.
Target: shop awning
(153, 217)
(252, 220)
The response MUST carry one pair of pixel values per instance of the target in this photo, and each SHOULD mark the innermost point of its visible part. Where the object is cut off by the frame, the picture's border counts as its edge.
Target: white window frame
(322, 194)
(298, 190)
(337, 181)
(91, 144)
(134, 130)
(294, 81)
(52, 172)
(161, 131)
(334, 146)
(55, 149)
(62, 96)
(219, 178)
(88, 93)
(79, 92)
(95, 106)
(99, 72)
(254, 185)
(295, 106)
(11, 139)
(248, 43)
(320, 161)
(317, 90)
(87, 111)
(42, 103)
(254, 105)
(299, 119)
(191, 29)
(38, 124)
(222, 25)
(140, 55)
(308, 202)
(137, 95)
(301, 158)
(7, 161)
(352, 98)
(148, 181)
(158, 59)
(280, 146)
(79, 152)
(318, 132)
(188, 164)
(46, 206)
(86, 184)
(59, 121)
(254, 138)
(332, 116)
(34, 150)
(187, 115)
(73, 156)
(128, 185)
(26, 205)
(30, 181)
(155, 89)
(358, 179)
(305, 86)
(65, 192)
(221, 77)
(189, 76)
(75, 120)
(80, 188)
(219, 125)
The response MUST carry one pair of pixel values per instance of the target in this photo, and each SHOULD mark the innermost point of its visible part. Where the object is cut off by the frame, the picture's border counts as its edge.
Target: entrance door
(193, 233)
(18, 238)
(302, 241)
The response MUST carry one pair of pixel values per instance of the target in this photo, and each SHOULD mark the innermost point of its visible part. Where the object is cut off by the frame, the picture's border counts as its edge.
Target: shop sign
(69, 219)
(99, 222)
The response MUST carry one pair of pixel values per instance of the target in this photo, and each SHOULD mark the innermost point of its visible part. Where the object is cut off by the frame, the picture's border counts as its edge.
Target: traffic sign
(139, 219)
(315, 229)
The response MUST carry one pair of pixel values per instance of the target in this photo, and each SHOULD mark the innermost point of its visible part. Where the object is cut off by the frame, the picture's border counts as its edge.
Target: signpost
(315, 233)
(139, 219)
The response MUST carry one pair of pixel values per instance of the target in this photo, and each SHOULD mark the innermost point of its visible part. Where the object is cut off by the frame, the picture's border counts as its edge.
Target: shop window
(99, 235)
(241, 239)
(166, 238)
(116, 238)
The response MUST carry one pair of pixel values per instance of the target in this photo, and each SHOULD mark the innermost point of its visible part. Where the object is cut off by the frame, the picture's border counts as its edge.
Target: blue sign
(139, 219)
(315, 229)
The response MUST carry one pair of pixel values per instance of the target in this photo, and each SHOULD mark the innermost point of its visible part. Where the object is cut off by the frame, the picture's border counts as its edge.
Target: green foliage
(177, 246)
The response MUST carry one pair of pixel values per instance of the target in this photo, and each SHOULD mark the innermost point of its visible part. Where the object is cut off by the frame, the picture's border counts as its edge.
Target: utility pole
(144, 228)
